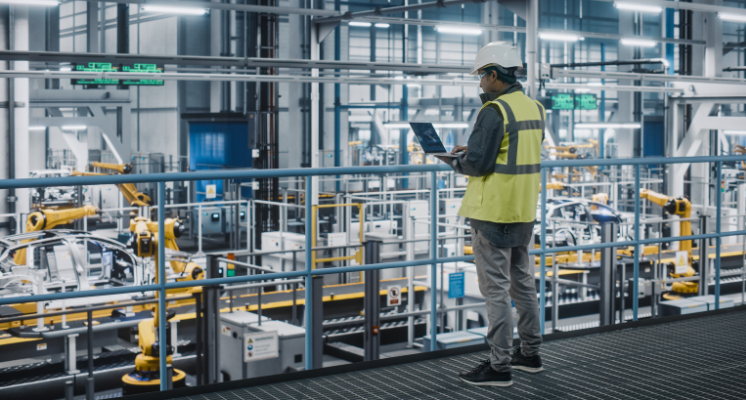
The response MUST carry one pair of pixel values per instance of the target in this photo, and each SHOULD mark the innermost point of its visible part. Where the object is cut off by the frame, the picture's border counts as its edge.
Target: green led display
(585, 102)
(563, 101)
(108, 67)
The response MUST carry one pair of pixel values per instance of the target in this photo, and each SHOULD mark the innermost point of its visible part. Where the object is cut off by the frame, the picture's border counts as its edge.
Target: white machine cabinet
(233, 327)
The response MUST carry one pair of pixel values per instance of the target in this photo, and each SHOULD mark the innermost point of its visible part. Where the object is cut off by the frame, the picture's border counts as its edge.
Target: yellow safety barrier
(358, 256)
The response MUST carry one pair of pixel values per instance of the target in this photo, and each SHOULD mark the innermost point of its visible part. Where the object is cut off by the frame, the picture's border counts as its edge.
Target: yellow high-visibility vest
(510, 194)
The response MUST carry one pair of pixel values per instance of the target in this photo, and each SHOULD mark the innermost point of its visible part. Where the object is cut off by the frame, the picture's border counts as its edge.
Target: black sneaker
(527, 364)
(484, 375)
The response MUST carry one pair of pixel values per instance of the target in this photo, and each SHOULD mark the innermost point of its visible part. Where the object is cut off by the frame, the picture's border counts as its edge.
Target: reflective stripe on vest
(513, 131)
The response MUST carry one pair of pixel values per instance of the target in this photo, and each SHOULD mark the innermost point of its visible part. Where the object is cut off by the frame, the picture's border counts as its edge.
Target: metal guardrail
(308, 273)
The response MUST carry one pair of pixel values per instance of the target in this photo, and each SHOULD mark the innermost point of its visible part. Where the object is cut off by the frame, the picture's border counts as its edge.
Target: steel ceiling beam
(229, 7)
(352, 80)
(680, 5)
(570, 73)
(378, 11)
(238, 62)
(521, 29)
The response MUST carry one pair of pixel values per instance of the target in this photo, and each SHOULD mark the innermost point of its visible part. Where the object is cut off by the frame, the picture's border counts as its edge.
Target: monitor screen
(428, 137)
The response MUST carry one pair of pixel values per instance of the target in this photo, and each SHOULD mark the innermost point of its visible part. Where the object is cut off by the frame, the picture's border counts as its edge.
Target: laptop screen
(428, 138)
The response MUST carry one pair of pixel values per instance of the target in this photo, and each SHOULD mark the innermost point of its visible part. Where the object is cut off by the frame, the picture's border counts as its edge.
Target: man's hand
(458, 149)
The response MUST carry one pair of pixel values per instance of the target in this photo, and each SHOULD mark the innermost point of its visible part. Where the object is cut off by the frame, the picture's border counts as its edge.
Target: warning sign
(393, 296)
(211, 192)
(682, 262)
(261, 346)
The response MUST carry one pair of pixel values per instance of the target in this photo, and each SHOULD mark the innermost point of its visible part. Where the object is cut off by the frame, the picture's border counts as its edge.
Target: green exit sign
(566, 101)
(585, 102)
(108, 67)
(563, 101)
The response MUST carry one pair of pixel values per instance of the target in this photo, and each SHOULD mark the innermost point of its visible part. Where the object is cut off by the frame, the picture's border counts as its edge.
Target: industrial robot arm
(130, 192)
(49, 219)
(683, 209)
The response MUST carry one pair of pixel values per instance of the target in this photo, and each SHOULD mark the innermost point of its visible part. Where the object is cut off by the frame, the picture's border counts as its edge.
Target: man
(502, 159)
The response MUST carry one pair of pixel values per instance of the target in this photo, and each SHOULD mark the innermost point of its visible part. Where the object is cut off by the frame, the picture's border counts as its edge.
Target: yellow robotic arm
(682, 208)
(124, 169)
(49, 219)
(130, 192)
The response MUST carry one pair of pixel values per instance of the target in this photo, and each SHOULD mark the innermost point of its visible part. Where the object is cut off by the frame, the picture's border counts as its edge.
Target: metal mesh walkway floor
(701, 358)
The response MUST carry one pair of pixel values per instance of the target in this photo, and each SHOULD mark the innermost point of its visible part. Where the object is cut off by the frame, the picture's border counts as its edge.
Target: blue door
(218, 145)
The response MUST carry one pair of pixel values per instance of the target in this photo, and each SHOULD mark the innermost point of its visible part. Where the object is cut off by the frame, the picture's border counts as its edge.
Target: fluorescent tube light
(734, 132)
(360, 24)
(383, 26)
(65, 69)
(175, 10)
(47, 3)
(447, 125)
(73, 127)
(638, 7)
(37, 128)
(608, 125)
(638, 42)
(562, 37)
(732, 17)
(460, 30)
(396, 125)
(451, 125)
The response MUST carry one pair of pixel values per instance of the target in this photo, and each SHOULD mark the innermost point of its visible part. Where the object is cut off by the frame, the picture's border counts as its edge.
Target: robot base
(136, 383)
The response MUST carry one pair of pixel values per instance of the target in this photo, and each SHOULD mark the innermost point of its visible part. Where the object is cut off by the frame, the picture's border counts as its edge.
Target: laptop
(429, 139)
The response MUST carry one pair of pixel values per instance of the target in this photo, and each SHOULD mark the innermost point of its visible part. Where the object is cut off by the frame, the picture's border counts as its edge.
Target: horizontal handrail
(280, 173)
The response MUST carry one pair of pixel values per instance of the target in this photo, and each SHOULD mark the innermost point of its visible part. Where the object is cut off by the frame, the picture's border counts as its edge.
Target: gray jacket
(483, 148)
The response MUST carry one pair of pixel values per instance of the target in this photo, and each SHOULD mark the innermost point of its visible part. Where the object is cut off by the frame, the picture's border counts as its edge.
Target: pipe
(662, 61)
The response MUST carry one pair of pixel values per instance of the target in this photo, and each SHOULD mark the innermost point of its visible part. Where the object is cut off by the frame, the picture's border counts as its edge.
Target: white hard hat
(498, 54)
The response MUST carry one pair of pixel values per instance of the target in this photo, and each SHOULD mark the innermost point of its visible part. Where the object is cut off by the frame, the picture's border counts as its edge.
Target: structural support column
(532, 45)
(215, 46)
(20, 109)
(92, 27)
(315, 120)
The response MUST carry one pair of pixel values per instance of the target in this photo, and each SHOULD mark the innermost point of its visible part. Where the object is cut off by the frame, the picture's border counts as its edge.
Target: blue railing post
(718, 227)
(162, 323)
(434, 256)
(309, 277)
(636, 270)
(543, 256)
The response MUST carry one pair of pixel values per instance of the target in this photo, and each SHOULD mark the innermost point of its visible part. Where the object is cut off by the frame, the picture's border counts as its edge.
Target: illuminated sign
(585, 102)
(563, 101)
(566, 101)
(108, 67)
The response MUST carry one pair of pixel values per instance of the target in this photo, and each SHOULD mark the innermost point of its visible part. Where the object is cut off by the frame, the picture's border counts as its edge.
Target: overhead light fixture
(451, 125)
(360, 24)
(383, 26)
(732, 17)
(638, 42)
(66, 69)
(561, 37)
(396, 125)
(175, 10)
(447, 125)
(638, 7)
(608, 125)
(46, 3)
(359, 118)
(73, 127)
(37, 128)
(734, 132)
(459, 30)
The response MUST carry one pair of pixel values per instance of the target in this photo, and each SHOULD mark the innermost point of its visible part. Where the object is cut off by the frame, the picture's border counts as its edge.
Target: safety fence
(307, 274)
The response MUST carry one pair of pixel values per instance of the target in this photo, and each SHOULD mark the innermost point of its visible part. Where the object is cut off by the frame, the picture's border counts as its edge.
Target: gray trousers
(505, 274)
